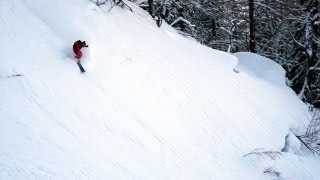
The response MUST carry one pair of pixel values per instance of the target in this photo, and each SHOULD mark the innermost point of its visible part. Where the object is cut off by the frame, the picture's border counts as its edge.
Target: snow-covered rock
(261, 67)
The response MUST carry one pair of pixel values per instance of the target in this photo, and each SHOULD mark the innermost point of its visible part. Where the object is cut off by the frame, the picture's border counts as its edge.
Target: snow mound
(260, 67)
(152, 105)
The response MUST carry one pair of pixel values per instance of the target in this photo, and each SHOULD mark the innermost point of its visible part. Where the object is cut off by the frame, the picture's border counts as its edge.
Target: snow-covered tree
(304, 70)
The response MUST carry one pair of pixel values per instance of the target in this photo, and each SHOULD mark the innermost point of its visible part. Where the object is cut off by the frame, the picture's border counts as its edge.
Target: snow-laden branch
(183, 20)
(305, 84)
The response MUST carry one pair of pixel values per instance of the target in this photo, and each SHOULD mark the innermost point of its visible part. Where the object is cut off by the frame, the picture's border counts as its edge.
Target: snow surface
(152, 105)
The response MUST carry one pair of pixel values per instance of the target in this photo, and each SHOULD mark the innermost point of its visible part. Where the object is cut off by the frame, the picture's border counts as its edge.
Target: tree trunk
(151, 10)
(252, 42)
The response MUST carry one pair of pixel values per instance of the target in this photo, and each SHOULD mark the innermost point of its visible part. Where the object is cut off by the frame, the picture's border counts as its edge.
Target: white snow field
(152, 104)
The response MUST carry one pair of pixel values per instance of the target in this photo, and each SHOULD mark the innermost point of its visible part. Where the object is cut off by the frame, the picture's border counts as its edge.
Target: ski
(80, 67)
(236, 70)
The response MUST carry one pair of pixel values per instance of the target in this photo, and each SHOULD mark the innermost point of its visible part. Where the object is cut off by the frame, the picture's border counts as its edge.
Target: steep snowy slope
(152, 105)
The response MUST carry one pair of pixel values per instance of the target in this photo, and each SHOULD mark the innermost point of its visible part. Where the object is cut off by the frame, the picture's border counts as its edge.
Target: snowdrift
(152, 105)
(261, 67)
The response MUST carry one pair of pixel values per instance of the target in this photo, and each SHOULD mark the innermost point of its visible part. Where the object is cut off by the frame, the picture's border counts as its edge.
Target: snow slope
(152, 105)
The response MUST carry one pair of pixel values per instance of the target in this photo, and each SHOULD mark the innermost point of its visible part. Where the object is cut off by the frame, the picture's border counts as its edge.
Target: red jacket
(77, 49)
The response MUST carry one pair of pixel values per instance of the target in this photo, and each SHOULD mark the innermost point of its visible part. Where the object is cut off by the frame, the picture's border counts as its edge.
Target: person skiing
(77, 49)
(77, 52)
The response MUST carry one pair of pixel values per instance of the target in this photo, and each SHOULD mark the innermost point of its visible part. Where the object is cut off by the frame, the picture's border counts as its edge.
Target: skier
(77, 51)
(77, 48)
